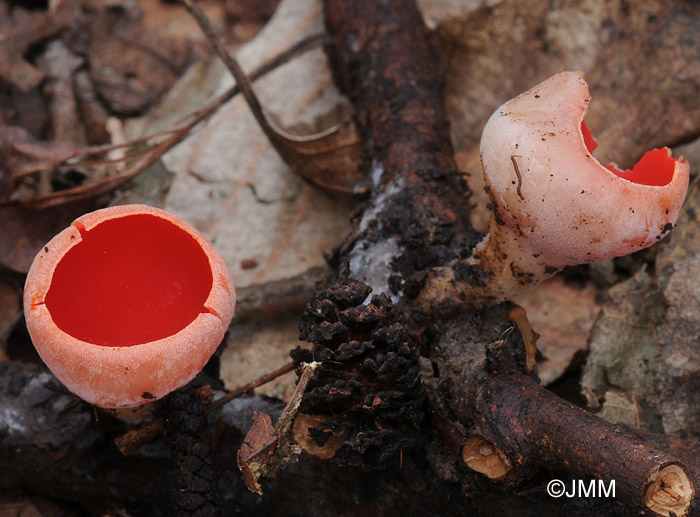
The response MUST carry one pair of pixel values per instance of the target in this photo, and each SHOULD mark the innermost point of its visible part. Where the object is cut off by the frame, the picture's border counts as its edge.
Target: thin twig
(175, 135)
(235, 68)
(286, 419)
(218, 403)
(131, 440)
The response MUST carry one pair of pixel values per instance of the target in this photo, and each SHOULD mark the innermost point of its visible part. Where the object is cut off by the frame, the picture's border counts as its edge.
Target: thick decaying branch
(689, 450)
(518, 425)
(382, 59)
(565, 435)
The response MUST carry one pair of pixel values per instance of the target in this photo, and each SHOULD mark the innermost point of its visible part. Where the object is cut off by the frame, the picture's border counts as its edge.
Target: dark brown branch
(533, 426)
(383, 60)
(689, 450)
(528, 427)
(195, 491)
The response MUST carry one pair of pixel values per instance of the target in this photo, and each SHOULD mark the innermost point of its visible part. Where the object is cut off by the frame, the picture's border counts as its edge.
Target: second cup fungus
(127, 304)
(554, 204)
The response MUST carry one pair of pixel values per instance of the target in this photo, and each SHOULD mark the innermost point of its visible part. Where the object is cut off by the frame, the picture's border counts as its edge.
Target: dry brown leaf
(624, 348)
(92, 112)
(641, 61)
(233, 186)
(59, 66)
(25, 230)
(21, 154)
(130, 67)
(328, 152)
(328, 157)
(621, 408)
(562, 315)
(678, 373)
(268, 449)
(19, 31)
(258, 450)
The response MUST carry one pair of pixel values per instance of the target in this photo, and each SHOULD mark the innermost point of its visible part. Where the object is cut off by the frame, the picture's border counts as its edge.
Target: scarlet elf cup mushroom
(554, 204)
(127, 304)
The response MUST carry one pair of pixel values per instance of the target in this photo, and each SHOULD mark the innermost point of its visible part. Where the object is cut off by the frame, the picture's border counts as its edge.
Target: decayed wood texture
(382, 58)
(689, 450)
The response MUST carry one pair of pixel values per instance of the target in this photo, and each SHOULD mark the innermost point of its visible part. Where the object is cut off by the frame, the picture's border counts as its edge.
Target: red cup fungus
(554, 204)
(127, 304)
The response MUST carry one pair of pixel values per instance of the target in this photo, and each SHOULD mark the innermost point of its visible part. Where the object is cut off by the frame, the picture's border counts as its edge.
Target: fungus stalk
(554, 205)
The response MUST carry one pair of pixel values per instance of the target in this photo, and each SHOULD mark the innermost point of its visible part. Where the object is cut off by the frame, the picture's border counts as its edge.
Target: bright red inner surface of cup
(131, 280)
(654, 168)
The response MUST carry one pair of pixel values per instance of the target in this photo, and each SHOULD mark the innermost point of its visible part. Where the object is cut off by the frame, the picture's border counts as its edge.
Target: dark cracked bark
(416, 219)
(188, 434)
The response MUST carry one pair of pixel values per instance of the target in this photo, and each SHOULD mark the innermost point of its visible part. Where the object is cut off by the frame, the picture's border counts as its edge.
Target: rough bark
(188, 435)
(383, 59)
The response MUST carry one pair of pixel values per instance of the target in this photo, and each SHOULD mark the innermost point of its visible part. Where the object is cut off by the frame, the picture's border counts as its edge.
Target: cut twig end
(481, 455)
(670, 491)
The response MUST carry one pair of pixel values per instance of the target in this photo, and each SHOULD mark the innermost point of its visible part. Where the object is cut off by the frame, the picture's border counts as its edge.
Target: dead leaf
(130, 67)
(624, 348)
(562, 315)
(301, 436)
(327, 152)
(258, 450)
(329, 157)
(59, 66)
(267, 449)
(233, 186)
(646, 80)
(92, 112)
(678, 373)
(20, 30)
(25, 230)
(642, 62)
(243, 10)
(21, 154)
(621, 408)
